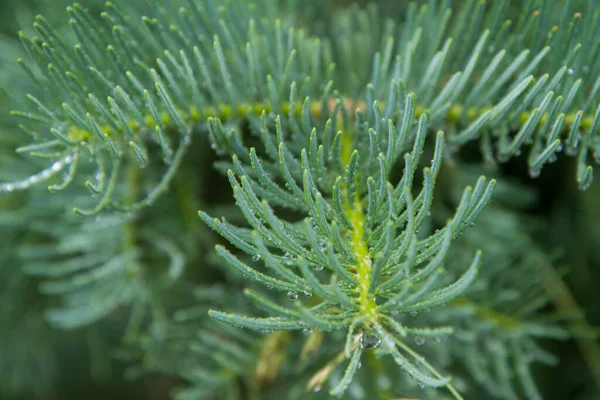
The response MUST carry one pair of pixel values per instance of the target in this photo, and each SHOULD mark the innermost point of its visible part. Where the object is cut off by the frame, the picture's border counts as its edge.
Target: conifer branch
(321, 130)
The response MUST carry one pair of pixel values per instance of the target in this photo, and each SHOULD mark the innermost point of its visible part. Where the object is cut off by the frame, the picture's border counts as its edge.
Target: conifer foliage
(357, 249)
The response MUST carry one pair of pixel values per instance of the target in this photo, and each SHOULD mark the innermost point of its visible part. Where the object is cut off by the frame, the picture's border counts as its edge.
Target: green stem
(565, 302)
(428, 366)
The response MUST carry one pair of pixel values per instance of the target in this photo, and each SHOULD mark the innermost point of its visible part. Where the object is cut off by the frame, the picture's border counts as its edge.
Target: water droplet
(318, 268)
(534, 172)
(256, 257)
(287, 255)
(419, 341)
(572, 150)
(369, 341)
(308, 295)
(586, 185)
(570, 71)
(307, 332)
(317, 388)
(503, 158)
(292, 295)
(413, 313)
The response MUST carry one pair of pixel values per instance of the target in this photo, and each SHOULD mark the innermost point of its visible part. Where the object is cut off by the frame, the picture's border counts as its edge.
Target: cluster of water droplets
(369, 341)
(419, 341)
(294, 295)
(288, 259)
(37, 178)
(397, 305)
(440, 339)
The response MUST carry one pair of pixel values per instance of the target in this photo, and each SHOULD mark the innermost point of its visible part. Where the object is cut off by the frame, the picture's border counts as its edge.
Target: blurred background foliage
(53, 364)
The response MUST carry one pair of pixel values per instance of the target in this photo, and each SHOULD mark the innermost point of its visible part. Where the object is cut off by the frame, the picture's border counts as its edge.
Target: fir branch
(321, 131)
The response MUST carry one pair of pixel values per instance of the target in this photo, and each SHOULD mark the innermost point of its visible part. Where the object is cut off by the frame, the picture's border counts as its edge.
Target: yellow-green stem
(224, 112)
(360, 248)
(354, 210)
